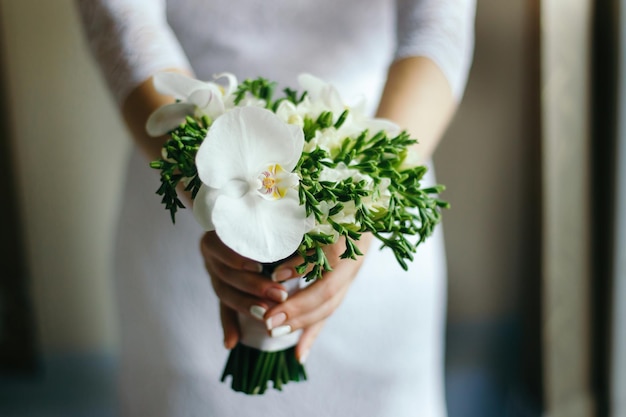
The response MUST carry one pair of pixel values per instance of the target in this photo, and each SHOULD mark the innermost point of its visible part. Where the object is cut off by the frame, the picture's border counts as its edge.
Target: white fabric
(381, 353)
(255, 333)
(132, 38)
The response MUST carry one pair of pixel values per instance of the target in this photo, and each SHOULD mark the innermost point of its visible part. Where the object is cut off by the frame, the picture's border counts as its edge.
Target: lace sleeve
(130, 40)
(442, 30)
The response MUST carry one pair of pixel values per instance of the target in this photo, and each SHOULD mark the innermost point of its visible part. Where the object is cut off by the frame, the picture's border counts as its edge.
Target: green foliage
(412, 211)
(178, 163)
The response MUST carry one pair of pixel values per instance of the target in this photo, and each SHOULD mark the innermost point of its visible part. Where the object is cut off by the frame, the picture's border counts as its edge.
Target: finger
(310, 305)
(230, 326)
(309, 335)
(243, 302)
(212, 247)
(237, 271)
(246, 282)
(287, 269)
(333, 253)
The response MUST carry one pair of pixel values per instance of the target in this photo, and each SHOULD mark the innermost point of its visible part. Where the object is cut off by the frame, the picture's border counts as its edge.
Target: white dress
(381, 353)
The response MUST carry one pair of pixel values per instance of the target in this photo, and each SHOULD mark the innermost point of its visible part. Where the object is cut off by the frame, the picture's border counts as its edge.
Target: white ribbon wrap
(254, 332)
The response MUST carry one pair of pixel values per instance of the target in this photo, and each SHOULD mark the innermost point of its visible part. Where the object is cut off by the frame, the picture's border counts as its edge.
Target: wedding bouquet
(278, 177)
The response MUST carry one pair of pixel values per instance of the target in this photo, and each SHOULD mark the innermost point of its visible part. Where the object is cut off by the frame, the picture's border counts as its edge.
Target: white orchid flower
(249, 194)
(194, 98)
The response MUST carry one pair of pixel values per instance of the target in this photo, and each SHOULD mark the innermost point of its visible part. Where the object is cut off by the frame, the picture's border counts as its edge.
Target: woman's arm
(131, 41)
(137, 107)
(418, 97)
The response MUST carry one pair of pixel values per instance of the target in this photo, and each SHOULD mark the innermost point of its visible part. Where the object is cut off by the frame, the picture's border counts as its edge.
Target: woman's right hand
(238, 283)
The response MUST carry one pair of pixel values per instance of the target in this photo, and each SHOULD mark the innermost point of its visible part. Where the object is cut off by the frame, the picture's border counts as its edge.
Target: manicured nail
(258, 312)
(253, 267)
(281, 330)
(277, 295)
(303, 357)
(281, 274)
(275, 320)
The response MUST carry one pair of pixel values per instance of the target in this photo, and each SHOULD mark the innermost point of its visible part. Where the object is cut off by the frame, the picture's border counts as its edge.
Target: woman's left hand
(309, 308)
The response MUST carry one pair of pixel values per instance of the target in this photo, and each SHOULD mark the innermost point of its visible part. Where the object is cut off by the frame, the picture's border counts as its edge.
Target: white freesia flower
(289, 113)
(411, 160)
(342, 172)
(379, 201)
(323, 96)
(194, 98)
(322, 227)
(347, 215)
(327, 139)
(249, 194)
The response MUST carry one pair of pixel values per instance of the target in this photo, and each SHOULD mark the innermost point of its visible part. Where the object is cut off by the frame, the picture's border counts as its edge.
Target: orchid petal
(215, 107)
(232, 82)
(244, 141)
(203, 206)
(201, 97)
(263, 230)
(176, 84)
(168, 117)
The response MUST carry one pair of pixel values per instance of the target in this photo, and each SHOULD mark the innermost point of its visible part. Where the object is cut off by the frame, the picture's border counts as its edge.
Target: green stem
(252, 369)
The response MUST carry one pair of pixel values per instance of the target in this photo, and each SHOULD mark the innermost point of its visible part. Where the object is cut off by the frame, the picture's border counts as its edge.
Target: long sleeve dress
(381, 353)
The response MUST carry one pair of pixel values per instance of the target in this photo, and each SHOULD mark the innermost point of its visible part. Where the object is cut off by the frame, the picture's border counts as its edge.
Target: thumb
(309, 335)
(230, 326)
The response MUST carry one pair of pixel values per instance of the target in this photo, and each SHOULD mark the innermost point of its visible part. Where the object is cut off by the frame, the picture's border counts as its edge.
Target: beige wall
(486, 163)
(69, 151)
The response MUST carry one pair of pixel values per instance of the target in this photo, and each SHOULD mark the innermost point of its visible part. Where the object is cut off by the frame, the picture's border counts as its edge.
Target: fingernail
(275, 320)
(253, 267)
(277, 295)
(258, 312)
(281, 274)
(281, 330)
(303, 357)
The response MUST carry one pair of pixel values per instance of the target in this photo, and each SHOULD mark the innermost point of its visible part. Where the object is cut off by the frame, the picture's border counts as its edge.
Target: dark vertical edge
(604, 71)
(532, 376)
(18, 353)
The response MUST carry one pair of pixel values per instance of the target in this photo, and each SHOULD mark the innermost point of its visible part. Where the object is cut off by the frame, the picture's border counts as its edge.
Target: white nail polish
(281, 330)
(281, 275)
(257, 312)
(303, 357)
(275, 321)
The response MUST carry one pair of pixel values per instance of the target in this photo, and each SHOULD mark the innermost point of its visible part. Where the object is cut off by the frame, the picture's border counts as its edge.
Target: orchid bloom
(194, 98)
(249, 194)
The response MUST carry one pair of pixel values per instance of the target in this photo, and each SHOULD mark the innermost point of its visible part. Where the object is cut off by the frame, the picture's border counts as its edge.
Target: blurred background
(534, 162)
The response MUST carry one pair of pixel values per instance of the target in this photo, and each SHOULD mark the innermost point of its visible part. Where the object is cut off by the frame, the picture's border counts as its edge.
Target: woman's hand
(309, 308)
(238, 283)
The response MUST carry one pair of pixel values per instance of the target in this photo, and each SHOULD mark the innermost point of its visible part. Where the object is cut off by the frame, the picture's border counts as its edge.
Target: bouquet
(274, 177)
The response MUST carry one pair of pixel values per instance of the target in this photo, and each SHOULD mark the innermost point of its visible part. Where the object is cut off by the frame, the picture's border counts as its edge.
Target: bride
(372, 332)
